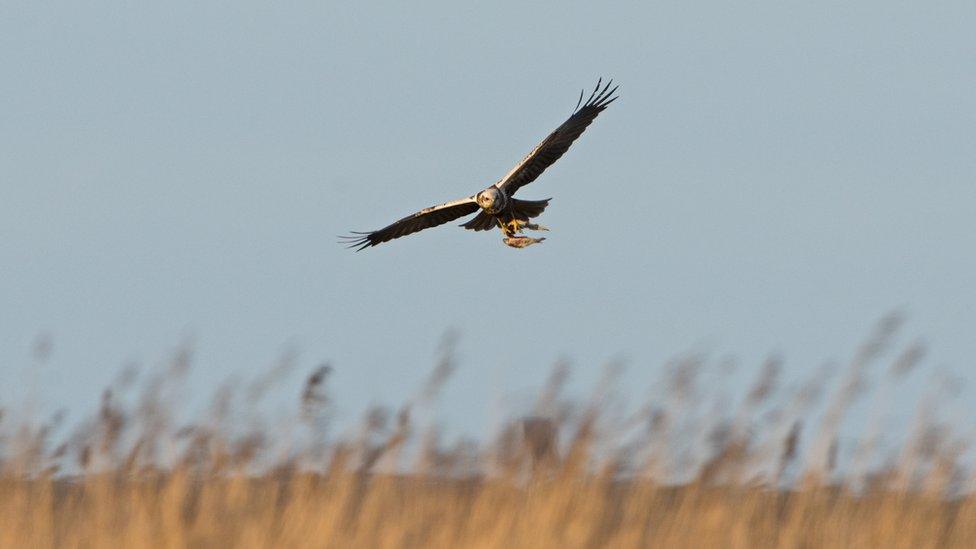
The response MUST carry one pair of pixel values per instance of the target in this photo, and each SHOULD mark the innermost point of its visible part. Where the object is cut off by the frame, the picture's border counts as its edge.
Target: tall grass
(690, 468)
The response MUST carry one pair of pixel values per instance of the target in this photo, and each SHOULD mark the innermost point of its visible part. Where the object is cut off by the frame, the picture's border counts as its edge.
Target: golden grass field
(767, 468)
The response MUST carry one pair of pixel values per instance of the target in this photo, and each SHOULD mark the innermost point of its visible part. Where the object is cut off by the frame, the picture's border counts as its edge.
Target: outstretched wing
(558, 142)
(424, 219)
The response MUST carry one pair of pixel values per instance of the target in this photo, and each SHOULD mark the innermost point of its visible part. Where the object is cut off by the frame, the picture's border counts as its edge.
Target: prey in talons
(513, 233)
(521, 241)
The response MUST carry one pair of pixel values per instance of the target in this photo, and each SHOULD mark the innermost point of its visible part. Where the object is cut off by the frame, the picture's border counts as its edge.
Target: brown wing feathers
(558, 142)
(424, 219)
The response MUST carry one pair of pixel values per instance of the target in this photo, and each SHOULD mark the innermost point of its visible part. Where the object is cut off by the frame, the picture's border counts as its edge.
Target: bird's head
(491, 200)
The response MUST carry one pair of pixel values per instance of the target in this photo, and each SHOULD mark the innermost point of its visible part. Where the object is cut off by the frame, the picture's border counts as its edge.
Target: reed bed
(776, 466)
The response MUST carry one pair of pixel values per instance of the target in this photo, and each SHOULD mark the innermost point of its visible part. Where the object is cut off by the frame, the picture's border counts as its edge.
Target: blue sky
(775, 177)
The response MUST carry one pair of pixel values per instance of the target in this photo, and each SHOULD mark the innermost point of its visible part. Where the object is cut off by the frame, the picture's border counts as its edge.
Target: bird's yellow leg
(512, 228)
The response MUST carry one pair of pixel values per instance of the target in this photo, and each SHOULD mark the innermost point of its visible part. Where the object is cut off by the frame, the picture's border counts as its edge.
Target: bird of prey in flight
(498, 207)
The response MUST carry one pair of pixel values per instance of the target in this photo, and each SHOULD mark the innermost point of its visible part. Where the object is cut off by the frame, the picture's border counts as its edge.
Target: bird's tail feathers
(527, 209)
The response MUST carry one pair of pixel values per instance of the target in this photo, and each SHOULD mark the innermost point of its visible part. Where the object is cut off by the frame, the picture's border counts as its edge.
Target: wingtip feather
(358, 240)
(593, 93)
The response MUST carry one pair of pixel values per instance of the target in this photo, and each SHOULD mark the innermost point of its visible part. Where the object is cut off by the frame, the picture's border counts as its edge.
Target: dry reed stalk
(701, 473)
